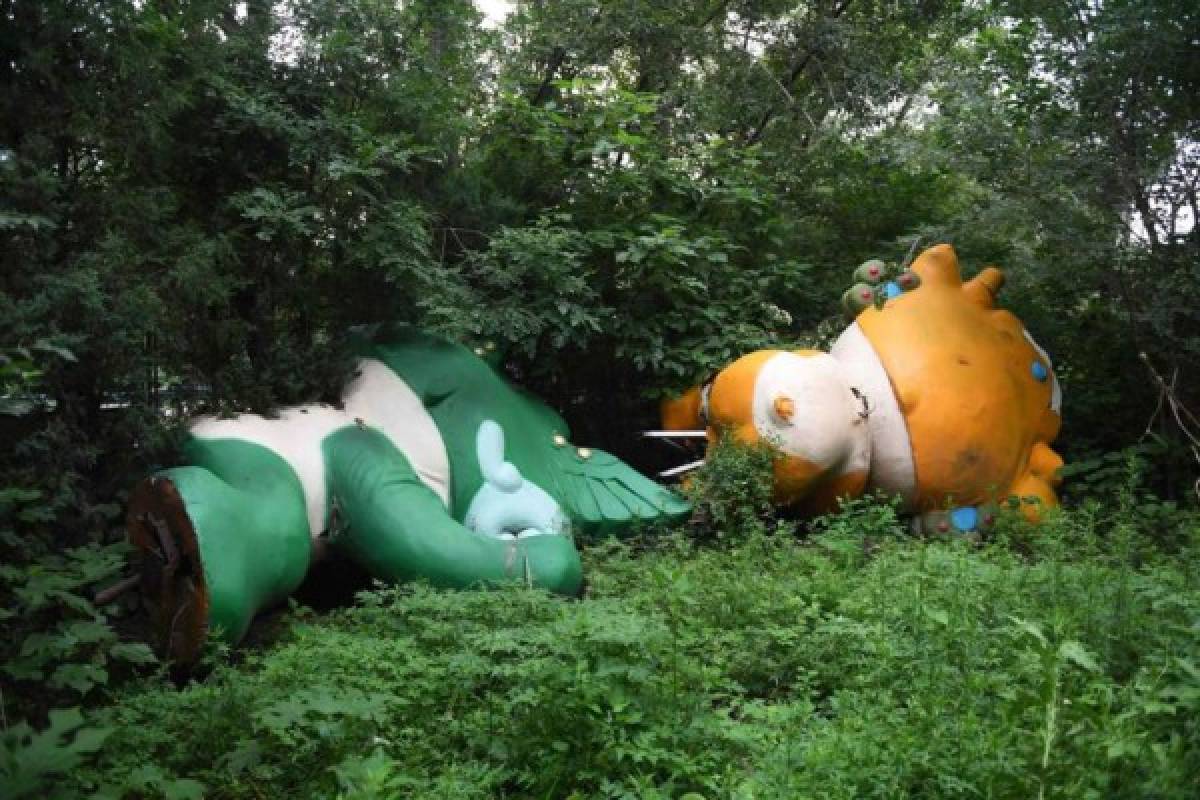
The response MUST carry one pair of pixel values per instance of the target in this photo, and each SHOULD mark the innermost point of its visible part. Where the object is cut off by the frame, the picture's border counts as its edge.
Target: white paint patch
(825, 428)
(295, 436)
(892, 467)
(1055, 389)
(383, 400)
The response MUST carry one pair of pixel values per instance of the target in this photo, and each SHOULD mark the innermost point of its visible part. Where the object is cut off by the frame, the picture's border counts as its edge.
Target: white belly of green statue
(376, 398)
(381, 399)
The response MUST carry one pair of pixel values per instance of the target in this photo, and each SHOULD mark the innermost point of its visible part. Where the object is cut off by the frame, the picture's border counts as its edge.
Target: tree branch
(557, 56)
(794, 72)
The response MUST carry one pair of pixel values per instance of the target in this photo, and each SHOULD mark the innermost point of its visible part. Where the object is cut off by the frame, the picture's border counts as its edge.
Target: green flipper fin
(602, 494)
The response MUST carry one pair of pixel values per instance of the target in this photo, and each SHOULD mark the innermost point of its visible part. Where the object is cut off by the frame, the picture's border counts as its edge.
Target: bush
(60, 646)
(731, 494)
(769, 667)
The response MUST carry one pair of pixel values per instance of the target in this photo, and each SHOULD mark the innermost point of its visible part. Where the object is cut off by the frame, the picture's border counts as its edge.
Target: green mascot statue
(435, 468)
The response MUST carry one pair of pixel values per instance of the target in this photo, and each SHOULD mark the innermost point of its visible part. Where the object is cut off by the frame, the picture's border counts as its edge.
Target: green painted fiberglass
(237, 529)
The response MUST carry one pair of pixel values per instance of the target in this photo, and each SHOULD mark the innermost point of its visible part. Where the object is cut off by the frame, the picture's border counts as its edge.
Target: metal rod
(667, 473)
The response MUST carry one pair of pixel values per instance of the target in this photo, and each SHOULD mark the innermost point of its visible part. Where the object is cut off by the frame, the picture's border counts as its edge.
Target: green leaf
(57, 350)
(1031, 629)
(11, 221)
(246, 755)
(82, 678)
(16, 406)
(31, 757)
(182, 789)
(937, 615)
(1075, 652)
(133, 652)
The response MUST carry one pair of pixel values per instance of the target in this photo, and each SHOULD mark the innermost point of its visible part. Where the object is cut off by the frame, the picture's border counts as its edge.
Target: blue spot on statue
(966, 519)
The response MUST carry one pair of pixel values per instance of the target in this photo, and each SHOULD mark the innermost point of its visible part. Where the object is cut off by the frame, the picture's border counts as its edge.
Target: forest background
(198, 198)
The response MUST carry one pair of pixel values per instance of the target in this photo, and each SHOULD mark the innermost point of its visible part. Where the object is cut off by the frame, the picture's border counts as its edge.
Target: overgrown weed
(857, 662)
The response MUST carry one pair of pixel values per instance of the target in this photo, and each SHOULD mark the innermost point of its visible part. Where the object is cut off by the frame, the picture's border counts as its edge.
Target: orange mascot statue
(932, 394)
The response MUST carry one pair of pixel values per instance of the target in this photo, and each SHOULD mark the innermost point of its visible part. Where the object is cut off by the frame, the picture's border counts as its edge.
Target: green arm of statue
(398, 529)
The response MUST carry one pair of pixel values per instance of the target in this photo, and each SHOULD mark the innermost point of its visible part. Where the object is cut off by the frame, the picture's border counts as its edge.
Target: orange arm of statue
(983, 288)
(1038, 481)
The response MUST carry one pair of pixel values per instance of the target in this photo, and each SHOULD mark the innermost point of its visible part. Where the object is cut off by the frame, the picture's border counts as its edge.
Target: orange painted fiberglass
(934, 395)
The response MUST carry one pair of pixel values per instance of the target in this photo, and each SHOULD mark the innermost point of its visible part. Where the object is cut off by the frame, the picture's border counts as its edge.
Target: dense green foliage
(198, 198)
(1061, 663)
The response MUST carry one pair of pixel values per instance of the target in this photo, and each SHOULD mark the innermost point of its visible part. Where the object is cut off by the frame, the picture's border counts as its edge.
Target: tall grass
(858, 662)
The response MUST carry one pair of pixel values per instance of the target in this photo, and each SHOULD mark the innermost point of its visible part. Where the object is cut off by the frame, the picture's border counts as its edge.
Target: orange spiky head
(979, 397)
(935, 396)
